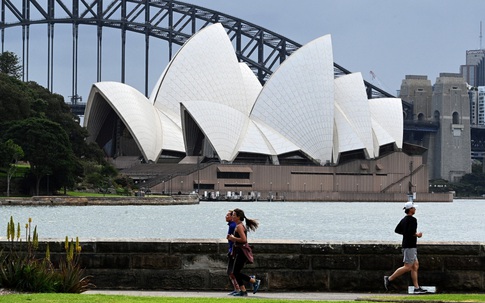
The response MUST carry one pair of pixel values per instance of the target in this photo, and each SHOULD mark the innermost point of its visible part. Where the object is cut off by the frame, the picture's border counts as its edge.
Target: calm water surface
(462, 220)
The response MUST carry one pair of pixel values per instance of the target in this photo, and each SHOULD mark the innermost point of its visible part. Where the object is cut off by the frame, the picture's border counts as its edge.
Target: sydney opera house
(210, 126)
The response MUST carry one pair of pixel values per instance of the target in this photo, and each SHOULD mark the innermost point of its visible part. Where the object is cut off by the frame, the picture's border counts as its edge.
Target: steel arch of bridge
(173, 21)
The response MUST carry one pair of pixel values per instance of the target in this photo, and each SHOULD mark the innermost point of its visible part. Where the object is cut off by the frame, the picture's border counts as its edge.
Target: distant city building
(473, 97)
(477, 120)
(474, 70)
(480, 104)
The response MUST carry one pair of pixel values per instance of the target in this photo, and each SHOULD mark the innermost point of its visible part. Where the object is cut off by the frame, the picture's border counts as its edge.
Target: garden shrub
(21, 268)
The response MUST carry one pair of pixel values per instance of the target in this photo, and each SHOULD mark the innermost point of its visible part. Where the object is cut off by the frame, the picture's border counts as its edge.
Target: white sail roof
(297, 101)
(223, 125)
(252, 86)
(388, 121)
(300, 108)
(134, 110)
(204, 68)
(352, 116)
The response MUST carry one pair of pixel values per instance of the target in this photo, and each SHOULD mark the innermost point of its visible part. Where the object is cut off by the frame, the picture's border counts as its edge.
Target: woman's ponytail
(251, 224)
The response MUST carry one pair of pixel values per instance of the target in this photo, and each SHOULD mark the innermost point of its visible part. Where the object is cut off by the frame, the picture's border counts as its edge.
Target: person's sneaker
(386, 282)
(252, 277)
(241, 294)
(232, 293)
(256, 286)
(420, 290)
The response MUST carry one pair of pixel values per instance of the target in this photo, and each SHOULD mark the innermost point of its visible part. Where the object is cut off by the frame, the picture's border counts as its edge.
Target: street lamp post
(181, 186)
(270, 191)
(255, 192)
(198, 175)
(287, 190)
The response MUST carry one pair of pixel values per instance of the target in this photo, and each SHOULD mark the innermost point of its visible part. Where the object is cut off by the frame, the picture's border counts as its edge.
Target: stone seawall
(193, 199)
(283, 265)
(362, 197)
(81, 201)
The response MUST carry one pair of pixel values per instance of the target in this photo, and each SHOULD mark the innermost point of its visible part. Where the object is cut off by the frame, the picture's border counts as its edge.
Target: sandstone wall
(108, 200)
(168, 264)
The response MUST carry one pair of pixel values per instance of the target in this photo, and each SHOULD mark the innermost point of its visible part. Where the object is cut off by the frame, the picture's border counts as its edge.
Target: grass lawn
(80, 298)
(73, 298)
(83, 194)
(22, 169)
(442, 298)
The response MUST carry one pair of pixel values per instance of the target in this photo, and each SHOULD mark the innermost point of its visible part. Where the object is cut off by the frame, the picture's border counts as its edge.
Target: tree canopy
(46, 146)
(10, 154)
(42, 124)
(10, 65)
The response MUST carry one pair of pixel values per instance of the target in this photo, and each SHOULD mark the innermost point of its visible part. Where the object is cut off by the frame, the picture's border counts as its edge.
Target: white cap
(409, 205)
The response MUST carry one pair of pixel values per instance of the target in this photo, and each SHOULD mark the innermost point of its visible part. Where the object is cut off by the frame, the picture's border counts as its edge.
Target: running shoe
(386, 282)
(241, 294)
(420, 290)
(256, 286)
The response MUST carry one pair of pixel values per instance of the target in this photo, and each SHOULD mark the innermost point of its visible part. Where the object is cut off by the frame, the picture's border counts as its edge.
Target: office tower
(474, 70)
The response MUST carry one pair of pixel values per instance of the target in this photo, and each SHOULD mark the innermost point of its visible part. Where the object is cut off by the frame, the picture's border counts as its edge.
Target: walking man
(408, 227)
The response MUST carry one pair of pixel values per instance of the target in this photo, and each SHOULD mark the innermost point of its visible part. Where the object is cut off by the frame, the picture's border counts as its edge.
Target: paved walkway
(315, 296)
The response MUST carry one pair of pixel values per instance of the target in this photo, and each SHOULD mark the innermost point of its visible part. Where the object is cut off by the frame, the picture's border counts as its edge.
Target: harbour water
(459, 221)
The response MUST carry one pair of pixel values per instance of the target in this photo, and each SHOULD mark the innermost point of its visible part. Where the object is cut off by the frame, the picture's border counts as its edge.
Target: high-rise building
(473, 97)
(474, 70)
(481, 106)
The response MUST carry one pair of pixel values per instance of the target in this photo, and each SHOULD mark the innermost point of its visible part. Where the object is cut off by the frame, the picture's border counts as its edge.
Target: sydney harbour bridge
(171, 21)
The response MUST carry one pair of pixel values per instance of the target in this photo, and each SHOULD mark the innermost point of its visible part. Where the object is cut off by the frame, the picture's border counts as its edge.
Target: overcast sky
(389, 37)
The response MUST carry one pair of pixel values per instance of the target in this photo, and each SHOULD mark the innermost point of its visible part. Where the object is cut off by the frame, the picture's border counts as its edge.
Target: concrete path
(314, 296)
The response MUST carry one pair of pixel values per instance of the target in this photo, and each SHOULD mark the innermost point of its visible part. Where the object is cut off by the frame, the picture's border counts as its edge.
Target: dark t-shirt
(407, 227)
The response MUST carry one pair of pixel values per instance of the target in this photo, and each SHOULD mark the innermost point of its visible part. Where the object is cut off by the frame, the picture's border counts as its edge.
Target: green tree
(108, 172)
(52, 106)
(27, 100)
(46, 146)
(15, 101)
(10, 65)
(10, 154)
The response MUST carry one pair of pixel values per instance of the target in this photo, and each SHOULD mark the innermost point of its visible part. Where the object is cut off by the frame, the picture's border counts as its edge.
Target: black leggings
(239, 262)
